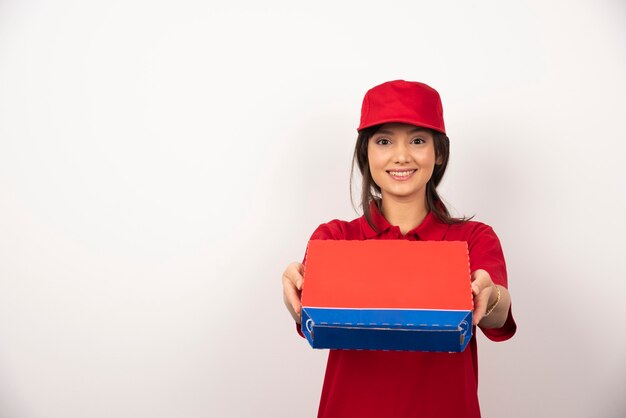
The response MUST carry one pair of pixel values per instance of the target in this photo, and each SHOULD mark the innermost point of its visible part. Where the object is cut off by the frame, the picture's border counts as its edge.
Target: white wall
(162, 162)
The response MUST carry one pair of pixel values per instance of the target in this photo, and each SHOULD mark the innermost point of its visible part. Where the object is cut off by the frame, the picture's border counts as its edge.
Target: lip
(401, 178)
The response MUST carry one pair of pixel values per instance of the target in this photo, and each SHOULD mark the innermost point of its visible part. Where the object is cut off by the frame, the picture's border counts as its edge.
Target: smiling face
(401, 160)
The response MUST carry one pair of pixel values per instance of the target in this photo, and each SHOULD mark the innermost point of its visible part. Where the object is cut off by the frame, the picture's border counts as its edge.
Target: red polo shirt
(404, 384)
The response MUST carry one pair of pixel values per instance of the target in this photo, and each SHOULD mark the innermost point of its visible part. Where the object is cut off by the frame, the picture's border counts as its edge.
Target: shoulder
(470, 231)
(485, 250)
(481, 239)
(338, 229)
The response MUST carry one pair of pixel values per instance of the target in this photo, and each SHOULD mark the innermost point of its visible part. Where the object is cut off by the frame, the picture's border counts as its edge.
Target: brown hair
(371, 192)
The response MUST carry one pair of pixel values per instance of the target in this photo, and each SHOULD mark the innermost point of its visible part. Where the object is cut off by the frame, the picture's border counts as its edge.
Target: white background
(162, 162)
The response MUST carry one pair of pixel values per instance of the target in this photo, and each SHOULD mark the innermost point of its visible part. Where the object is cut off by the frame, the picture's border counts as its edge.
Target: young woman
(402, 153)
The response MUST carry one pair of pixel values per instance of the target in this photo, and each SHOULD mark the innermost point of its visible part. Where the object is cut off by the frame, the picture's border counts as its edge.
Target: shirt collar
(431, 228)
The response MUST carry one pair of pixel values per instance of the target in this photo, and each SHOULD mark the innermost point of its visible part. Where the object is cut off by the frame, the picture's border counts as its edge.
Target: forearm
(498, 315)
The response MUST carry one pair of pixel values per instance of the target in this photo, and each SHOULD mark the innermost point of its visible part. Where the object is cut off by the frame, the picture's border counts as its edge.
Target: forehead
(397, 128)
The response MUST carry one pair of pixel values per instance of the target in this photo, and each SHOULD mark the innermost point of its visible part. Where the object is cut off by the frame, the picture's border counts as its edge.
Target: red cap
(402, 101)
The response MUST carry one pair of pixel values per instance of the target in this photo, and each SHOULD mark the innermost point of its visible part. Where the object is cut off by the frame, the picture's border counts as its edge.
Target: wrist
(494, 299)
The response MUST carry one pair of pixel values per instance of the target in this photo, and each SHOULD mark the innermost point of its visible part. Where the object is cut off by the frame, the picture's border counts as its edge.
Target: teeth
(401, 173)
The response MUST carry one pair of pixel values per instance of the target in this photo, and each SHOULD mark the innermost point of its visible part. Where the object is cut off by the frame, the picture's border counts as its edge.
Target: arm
(488, 271)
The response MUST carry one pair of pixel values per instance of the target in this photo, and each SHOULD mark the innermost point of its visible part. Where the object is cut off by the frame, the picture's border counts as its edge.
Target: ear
(439, 160)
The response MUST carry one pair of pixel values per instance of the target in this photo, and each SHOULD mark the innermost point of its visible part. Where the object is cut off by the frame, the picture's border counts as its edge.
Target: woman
(402, 153)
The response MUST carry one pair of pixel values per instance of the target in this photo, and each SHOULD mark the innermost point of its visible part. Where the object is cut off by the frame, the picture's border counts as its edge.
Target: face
(401, 160)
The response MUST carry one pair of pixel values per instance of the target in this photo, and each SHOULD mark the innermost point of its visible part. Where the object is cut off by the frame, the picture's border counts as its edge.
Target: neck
(405, 214)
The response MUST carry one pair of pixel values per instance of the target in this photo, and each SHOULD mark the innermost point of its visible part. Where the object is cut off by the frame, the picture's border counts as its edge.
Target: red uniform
(404, 384)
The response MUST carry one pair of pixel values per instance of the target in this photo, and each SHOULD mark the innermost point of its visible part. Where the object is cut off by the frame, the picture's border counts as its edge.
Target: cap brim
(407, 121)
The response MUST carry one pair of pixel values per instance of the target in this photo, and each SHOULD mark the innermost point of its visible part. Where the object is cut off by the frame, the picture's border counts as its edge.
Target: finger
(479, 313)
(299, 267)
(293, 273)
(475, 289)
(300, 275)
(480, 305)
(481, 278)
(292, 301)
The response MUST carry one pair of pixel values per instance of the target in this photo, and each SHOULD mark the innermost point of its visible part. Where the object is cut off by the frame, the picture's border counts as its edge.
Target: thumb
(475, 289)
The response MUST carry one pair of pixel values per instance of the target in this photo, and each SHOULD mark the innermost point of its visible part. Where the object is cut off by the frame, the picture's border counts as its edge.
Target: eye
(383, 141)
(417, 141)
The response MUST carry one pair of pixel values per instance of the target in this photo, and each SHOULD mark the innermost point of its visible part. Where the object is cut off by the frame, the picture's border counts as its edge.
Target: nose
(401, 154)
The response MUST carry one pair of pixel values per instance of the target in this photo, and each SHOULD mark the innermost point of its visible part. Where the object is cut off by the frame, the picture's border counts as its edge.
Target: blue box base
(387, 329)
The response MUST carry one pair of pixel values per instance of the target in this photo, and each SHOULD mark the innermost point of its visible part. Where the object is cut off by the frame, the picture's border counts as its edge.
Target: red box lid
(387, 274)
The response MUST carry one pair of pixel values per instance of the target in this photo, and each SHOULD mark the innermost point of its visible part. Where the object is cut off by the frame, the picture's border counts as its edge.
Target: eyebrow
(414, 130)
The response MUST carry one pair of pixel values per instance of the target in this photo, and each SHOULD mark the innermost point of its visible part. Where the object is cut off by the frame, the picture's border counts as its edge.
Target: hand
(292, 287)
(483, 290)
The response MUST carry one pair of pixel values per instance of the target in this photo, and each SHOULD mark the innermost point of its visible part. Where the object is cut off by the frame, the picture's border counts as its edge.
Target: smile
(401, 175)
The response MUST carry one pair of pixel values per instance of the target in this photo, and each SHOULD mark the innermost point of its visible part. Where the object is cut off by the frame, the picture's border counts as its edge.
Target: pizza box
(387, 295)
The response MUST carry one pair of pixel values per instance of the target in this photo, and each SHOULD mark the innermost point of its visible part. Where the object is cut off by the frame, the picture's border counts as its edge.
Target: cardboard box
(387, 295)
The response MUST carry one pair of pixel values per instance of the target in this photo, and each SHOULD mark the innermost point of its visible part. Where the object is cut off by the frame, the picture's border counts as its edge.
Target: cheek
(376, 164)
(376, 158)
(371, 161)
(426, 159)
(374, 172)
(375, 168)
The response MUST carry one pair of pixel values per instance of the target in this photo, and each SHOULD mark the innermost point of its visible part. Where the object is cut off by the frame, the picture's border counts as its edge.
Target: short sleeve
(486, 253)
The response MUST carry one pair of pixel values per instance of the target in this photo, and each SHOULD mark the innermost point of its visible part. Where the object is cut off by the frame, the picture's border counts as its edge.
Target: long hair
(371, 192)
